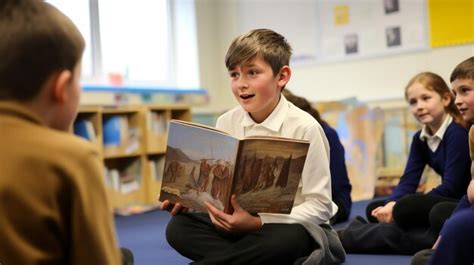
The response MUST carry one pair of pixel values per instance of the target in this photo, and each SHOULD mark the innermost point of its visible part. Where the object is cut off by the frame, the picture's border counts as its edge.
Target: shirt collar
(11, 108)
(440, 133)
(272, 122)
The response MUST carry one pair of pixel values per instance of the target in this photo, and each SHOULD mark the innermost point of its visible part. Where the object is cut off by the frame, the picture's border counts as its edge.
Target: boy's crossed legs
(194, 236)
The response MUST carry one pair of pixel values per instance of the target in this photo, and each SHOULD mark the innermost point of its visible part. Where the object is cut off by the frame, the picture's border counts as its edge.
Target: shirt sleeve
(91, 224)
(317, 206)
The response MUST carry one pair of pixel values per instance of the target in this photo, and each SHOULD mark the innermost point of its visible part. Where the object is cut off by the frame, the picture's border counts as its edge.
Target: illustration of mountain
(176, 154)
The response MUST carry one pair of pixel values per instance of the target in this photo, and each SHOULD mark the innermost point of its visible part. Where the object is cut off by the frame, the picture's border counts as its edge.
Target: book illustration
(195, 181)
(269, 176)
(201, 167)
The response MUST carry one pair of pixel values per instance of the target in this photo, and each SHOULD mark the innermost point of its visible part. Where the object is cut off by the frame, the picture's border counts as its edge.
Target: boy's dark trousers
(418, 210)
(416, 226)
(194, 236)
(381, 238)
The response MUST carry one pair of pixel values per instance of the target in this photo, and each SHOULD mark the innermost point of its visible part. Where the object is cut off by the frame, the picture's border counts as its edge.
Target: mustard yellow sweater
(53, 205)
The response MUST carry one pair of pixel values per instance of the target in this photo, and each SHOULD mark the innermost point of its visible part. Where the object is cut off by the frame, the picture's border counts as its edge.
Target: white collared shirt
(434, 140)
(313, 201)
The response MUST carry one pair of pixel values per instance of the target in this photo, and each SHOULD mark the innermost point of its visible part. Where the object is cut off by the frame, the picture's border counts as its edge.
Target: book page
(269, 174)
(202, 126)
(276, 138)
(199, 166)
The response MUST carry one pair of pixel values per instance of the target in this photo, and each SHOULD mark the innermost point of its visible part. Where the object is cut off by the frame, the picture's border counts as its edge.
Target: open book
(205, 164)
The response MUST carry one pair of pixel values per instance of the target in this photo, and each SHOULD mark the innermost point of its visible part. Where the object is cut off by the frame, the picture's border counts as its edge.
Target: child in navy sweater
(440, 145)
(340, 185)
(456, 240)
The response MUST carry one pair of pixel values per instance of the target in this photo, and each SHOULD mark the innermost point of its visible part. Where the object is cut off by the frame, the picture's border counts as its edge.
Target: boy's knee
(440, 213)
(297, 234)
(401, 213)
(422, 257)
(174, 233)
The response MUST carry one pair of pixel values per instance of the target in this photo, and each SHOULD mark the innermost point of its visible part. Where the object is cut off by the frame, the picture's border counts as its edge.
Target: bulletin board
(324, 31)
(451, 22)
(371, 28)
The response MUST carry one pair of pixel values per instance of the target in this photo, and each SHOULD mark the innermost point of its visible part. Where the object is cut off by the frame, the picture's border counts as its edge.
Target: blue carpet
(144, 234)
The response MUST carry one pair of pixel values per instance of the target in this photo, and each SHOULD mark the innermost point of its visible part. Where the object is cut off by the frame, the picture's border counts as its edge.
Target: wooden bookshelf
(133, 165)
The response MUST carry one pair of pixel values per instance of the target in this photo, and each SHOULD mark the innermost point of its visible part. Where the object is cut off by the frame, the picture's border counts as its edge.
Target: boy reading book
(207, 165)
(52, 198)
(258, 65)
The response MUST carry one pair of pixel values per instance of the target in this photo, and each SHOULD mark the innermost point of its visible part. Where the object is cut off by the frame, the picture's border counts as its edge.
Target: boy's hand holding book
(240, 221)
(174, 209)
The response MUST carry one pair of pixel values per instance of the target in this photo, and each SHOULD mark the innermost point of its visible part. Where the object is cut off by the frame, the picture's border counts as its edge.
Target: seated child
(340, 185)
(53, 203)
(454, 245)
(440, 145)
(258, 65)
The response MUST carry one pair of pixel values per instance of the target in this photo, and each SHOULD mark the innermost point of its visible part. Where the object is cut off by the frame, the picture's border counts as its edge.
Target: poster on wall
(324, 31)
(351, 29)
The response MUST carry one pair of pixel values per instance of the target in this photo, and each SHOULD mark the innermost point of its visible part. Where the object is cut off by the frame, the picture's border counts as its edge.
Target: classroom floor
(144, 234)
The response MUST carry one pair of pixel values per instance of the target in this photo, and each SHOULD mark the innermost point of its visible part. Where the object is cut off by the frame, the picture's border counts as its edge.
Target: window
(136, 40)
(137, 43)
(78, 12)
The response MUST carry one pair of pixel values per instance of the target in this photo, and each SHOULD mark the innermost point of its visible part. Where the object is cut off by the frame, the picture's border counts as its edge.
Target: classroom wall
(370, 79)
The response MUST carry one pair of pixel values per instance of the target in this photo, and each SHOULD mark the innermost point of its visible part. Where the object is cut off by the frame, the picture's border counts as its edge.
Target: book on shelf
(157, 122)
(117, 133)
(203, 164)
(125, 180)
(85, 129)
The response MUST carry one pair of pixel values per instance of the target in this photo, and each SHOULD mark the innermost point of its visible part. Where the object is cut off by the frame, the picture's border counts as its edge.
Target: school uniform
(447, 154)
(340, 185)
(283, 238)
(53, 203)
(457, 236)
(418, 217)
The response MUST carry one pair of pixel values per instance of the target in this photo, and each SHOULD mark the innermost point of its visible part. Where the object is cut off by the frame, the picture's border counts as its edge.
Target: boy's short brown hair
(464, 70)
(37, 40)
(272, 46)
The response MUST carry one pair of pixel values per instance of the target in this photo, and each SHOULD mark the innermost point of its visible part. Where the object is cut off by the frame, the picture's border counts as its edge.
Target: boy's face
(463, 89)
(256, 88)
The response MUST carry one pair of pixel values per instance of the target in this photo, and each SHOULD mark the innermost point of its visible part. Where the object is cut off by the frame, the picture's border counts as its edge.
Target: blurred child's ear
(61, 81)
(447, 98)
(284, 76)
